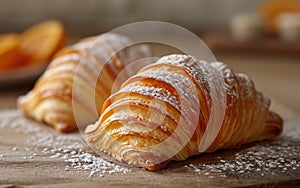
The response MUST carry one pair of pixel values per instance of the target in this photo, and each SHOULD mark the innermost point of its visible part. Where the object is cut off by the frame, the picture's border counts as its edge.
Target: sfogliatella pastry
(79, 79)
(179, 107)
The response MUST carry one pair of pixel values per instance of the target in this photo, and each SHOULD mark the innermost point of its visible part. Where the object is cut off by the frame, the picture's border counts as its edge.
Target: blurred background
(257, 37)
(92, 16)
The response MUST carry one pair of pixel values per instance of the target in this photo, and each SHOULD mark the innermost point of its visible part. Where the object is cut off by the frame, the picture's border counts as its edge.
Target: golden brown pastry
(89, 83)
(179, 107)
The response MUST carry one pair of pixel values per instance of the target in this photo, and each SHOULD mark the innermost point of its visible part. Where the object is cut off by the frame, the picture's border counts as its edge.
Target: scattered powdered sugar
(267, 158)
(13, 119)
(69, 148)
(264, 159)
(82, 160)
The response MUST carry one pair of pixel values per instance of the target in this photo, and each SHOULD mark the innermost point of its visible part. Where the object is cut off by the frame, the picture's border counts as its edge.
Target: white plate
(22, 74)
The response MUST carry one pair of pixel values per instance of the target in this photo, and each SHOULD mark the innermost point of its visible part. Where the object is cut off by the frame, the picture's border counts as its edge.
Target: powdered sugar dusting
(203, 72)
(81, 160)
(181, 83)
(259, 160)
(68, 148)
(155, 92)
(191, 65)
(212, 83)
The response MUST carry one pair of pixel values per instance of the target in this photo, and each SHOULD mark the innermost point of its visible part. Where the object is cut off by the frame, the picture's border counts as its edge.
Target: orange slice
(40, 42)
(10, 55)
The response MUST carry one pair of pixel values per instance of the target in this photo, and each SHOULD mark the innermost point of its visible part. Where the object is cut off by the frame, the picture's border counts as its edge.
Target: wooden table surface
(276, 75)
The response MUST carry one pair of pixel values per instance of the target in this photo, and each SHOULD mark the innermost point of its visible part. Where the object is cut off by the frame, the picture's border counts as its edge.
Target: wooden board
(23, 161)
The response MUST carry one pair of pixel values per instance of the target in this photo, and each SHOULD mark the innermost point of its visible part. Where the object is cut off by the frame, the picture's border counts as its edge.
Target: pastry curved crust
(149, 121)
(102, 59)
